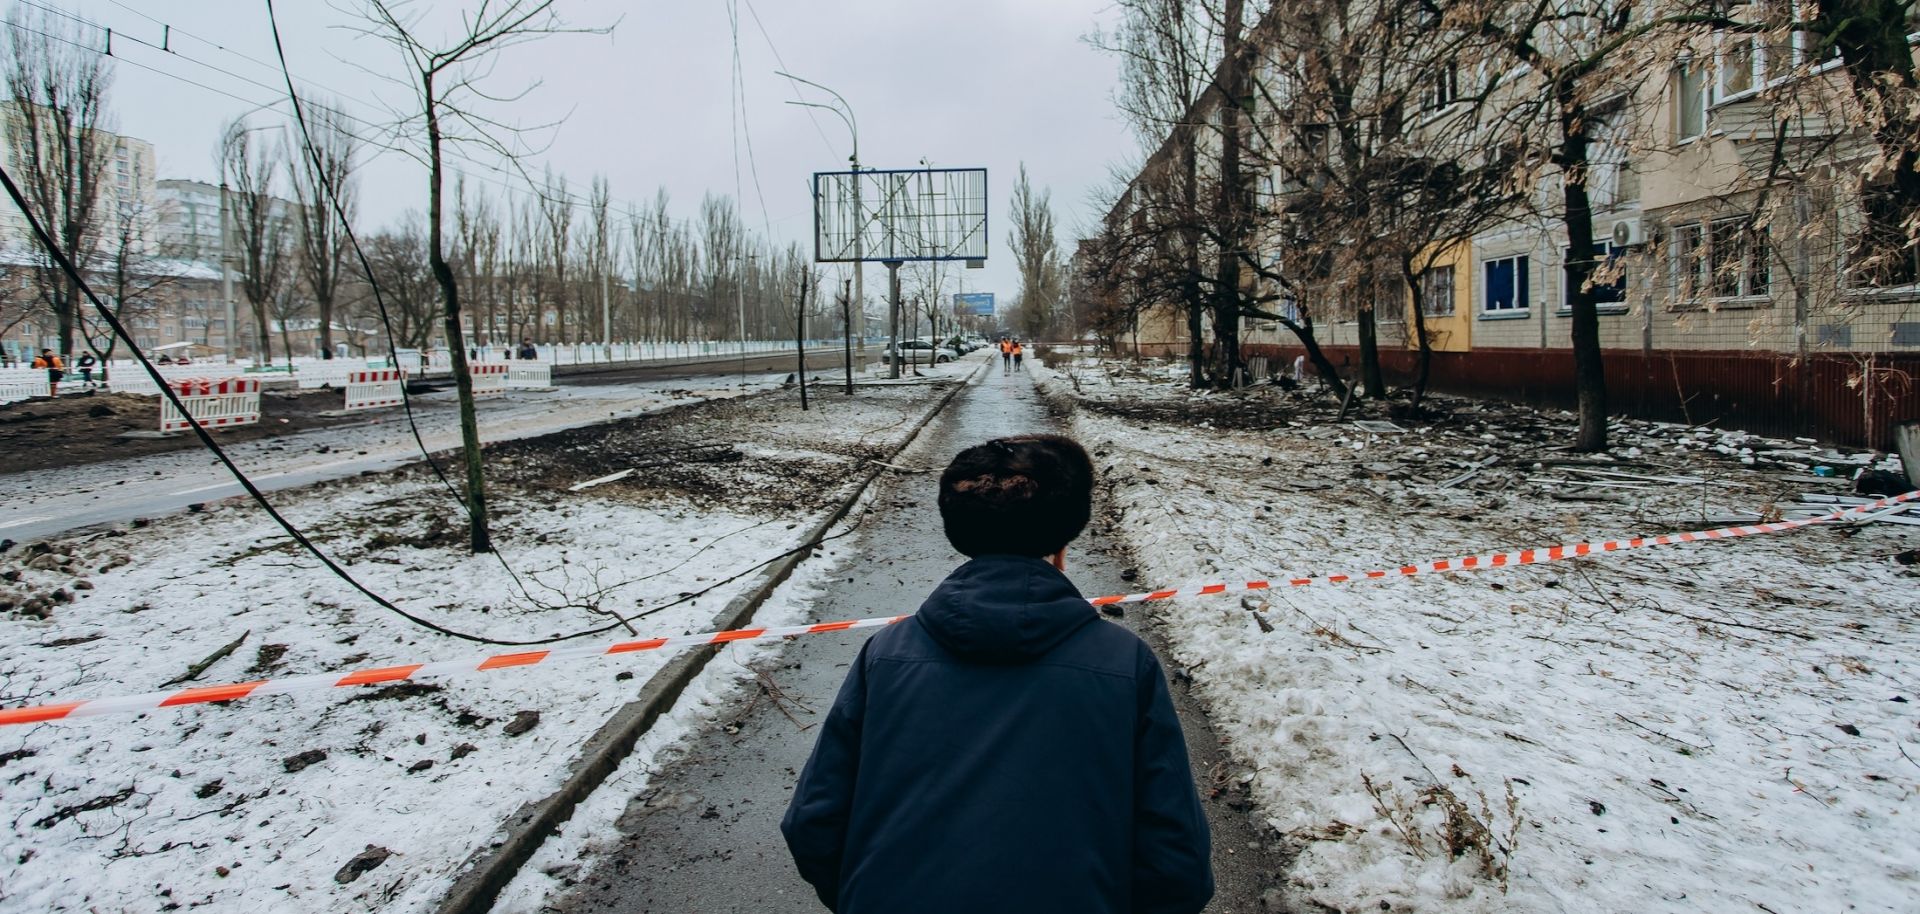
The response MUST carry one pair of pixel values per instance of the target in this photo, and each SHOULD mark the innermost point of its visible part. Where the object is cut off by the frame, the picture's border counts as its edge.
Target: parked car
(923, 352)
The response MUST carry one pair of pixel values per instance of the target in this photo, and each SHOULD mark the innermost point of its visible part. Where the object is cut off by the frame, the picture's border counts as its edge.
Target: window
(1689, 102)
(1608, 279)
(1436, 292)
(1689, 250)
(1877, 253)
(1506, 285)
(1722, 259)
(1441, 87)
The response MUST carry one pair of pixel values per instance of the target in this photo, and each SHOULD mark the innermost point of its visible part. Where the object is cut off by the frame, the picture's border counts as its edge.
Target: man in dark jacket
(1005, 750)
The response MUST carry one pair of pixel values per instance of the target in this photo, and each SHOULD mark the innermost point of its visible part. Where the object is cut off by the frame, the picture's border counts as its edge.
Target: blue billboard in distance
(977, 304)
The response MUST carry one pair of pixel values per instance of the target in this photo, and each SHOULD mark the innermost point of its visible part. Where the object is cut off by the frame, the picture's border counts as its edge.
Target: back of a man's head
(1027, 495)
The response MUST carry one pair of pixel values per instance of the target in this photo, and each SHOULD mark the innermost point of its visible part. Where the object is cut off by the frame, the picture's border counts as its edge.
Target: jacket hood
(1004, 609)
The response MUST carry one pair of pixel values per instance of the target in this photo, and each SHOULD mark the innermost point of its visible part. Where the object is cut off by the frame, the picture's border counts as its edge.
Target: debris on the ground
(304, 760)
(521, 723)
(362, 863)
(194, 670)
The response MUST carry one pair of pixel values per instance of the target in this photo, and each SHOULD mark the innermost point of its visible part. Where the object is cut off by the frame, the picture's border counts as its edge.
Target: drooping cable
(166, 390)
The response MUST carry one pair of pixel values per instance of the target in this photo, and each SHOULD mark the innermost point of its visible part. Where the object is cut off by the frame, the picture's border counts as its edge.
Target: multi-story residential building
(1733, 289)
(126, 200)
(187, 220)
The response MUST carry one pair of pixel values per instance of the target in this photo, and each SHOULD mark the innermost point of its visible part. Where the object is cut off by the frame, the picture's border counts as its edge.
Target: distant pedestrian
(527, 352)
(55, 370)
(1005, 749)
(1017, 353)
(85, 363)
(1006, 355)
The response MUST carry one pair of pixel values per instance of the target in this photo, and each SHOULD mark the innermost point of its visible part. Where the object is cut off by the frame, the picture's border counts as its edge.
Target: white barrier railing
(326, 372)
(489, 379)
(23, 383)
(134, 379)
(215, 402)
(373, 388)
(529, 376)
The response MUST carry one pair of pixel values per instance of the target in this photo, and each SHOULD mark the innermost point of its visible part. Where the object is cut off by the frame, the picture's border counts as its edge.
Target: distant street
(43, 503)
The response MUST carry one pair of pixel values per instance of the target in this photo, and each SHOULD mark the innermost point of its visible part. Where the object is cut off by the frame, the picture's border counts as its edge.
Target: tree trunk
(1371, 381)
(1423, 343)
(325, 307)
(1230, 214)
(1589, 372)
(478, 537)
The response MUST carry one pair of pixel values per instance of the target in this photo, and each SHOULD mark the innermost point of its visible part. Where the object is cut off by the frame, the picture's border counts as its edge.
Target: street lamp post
(845, 111)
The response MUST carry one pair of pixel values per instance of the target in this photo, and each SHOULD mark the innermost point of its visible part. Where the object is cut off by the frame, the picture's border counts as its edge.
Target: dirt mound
(85, 427)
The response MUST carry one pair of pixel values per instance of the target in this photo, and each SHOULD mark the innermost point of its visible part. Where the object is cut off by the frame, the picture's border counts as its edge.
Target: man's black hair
(1026, 495)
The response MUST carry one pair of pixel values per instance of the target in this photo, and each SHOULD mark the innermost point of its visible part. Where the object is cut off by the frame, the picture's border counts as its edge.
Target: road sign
(974, 304)
(913, 214)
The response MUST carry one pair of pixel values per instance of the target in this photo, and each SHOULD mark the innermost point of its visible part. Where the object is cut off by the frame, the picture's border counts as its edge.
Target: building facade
(1733, 287)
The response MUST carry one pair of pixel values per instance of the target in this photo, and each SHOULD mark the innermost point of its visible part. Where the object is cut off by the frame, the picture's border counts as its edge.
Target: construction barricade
(23, 383)
(214, 402)
(529, 376)
(489, 379)
(373, 388)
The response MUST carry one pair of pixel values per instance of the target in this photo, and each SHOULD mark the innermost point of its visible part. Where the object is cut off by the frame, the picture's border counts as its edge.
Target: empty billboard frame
(878, 215)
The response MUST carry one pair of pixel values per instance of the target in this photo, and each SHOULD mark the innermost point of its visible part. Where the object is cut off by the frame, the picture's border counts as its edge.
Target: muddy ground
(756, 453)
(84, 428)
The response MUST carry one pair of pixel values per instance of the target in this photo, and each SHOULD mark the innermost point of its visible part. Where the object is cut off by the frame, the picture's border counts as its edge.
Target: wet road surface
(41, 503)
(704, 836)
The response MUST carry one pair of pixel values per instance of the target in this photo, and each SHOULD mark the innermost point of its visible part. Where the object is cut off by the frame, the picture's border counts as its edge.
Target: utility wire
(332, 199)
(166, 390)
(566, 195)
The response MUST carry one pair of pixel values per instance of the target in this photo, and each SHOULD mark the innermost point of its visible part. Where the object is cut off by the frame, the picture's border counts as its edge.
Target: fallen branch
(193, 672)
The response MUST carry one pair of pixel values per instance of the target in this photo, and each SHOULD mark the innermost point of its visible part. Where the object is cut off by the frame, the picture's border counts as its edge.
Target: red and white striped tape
(479, 664)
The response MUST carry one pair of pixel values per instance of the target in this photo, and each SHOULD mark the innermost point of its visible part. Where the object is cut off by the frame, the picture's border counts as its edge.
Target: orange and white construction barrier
(489, 378)
(214, 402)
(133, 704)
(373, 388)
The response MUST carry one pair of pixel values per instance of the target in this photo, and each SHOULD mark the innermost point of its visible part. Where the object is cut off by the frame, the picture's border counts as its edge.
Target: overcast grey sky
(985, 83)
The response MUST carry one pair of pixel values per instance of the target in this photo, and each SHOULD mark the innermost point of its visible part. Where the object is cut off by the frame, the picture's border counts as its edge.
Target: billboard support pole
(893, 319)
(846, 316)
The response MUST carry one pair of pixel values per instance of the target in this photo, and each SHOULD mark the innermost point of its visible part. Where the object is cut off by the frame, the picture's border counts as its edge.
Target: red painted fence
(1845, 399)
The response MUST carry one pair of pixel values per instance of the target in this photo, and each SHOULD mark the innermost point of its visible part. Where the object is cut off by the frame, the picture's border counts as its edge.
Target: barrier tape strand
(134, 704)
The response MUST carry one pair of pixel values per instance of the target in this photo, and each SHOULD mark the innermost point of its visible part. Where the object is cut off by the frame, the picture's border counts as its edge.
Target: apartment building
(1734, 288)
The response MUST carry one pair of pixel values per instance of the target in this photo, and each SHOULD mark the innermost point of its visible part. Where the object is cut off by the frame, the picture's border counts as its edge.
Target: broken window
(1506, 284)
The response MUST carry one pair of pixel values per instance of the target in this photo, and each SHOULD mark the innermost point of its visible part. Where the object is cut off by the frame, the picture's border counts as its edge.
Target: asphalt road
(44, 503)
(704, 836)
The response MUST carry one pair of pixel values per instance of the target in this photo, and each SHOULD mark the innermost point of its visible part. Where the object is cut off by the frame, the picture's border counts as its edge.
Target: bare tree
(444, 81)
(1167, 64)
(556, 216)
(1036, 251)
(402, 270)
(262, 225)
(134, 278)
(59, 146)
(323, 188)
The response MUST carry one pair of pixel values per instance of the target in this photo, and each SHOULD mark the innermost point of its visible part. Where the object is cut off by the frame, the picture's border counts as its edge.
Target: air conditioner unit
(1629, 233)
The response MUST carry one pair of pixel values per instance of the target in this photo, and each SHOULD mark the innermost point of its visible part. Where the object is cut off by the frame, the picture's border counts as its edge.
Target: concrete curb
(723, 363)
(490, 868)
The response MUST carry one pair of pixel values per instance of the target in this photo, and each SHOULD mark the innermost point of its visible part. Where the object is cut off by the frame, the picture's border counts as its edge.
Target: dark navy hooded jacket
(1003, 751)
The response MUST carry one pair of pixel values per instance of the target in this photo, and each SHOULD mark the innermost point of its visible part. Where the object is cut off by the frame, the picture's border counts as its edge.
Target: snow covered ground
(1724, 726)
(265, 803)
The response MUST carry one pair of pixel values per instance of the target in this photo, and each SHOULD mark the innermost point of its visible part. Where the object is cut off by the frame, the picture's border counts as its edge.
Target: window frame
(1612, 253)
(1429, 282)
(1698, 270)
(1522, 288)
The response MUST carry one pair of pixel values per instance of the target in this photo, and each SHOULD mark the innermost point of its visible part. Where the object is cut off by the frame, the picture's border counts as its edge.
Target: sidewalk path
(704, 836)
